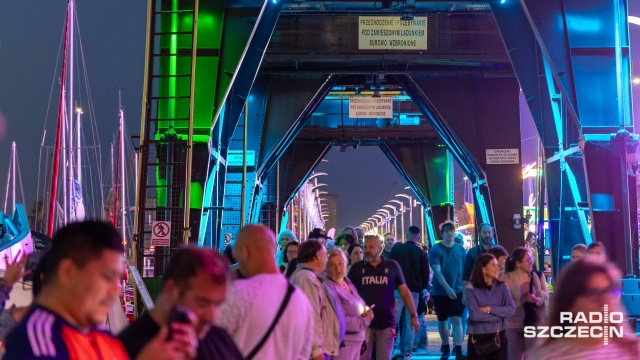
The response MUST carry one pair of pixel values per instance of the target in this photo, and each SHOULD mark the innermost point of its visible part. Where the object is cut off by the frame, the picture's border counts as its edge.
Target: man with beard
(485, 243)
(80, 279)
(376, 278)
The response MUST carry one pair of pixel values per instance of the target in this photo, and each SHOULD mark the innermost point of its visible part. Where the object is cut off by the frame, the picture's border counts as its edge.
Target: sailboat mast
(117, 173)
(13, 175)
(56, 161)
(78, 146)
(6, 191)
(70, 110)
(65, 203)
(113, 174)
(122, 181)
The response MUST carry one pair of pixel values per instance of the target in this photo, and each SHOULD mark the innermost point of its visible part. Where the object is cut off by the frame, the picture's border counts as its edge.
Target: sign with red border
(160, 233)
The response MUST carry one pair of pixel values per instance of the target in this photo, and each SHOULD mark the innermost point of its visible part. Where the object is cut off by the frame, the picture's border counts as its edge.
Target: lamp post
(381, 221)
(410, 207)
(375, 222)
(370, 225)
(423, 225)
(314, 187)
(388, 215)
(314, 174)
(401, 211)
(395, 218)
(385, 222)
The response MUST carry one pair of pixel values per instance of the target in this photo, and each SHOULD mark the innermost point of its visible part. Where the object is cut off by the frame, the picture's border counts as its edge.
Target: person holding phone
(80, 280)
(376, 278)
(194, 285)
(10, 317)
(358, 316)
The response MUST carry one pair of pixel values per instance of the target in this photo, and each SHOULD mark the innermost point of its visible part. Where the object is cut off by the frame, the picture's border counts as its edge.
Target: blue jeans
(406, 336)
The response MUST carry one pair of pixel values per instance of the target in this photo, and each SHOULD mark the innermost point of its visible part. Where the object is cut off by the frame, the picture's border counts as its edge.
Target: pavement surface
(433, 342)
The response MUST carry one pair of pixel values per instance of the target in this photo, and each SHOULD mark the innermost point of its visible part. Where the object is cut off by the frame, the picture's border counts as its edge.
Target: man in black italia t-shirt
(196, 279)
(375, 279)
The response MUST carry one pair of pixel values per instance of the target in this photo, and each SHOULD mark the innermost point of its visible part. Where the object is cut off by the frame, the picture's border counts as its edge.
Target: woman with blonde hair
(357, 316)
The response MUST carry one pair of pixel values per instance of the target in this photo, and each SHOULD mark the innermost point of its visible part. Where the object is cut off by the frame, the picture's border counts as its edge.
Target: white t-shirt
(249, 310)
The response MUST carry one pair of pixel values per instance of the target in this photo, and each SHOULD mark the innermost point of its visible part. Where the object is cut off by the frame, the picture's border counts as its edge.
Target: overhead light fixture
(316, 174)
(635, 72)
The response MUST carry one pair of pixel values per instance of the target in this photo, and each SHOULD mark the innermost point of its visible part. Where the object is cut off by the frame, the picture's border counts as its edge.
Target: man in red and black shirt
(80, 280)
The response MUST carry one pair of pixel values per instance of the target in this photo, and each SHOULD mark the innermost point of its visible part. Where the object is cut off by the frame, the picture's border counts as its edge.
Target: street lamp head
(385, 211)
(401, 209)
(315, 174)
(404, 196)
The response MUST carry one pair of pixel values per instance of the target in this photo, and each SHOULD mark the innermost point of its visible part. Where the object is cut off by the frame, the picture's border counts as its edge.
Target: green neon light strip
(173, 61)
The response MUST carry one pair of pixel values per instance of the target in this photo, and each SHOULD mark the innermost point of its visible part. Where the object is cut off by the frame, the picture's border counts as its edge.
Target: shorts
(446, 307)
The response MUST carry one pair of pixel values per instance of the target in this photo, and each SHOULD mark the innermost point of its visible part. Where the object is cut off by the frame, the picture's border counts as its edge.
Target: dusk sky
(113, 39)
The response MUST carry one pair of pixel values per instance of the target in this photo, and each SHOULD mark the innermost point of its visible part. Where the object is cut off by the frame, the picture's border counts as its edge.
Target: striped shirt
(43, 335)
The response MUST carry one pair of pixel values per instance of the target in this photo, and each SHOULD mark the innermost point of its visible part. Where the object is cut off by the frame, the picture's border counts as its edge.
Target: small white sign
(234, 158)
(370, 107)
(392, 33)
(144, 293)
(161, 233)
(503, 156)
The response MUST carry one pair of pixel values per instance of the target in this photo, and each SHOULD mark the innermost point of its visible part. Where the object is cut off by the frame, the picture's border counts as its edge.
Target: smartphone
(180, 314)
(33, 260)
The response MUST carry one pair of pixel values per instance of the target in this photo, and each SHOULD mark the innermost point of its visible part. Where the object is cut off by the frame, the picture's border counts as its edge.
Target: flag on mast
(77, 205)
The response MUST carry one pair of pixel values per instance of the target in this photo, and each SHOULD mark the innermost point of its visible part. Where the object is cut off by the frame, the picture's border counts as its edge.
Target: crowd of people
(355, 297)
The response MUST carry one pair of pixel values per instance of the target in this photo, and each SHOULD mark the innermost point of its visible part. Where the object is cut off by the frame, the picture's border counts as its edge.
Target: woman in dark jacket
(490, 303)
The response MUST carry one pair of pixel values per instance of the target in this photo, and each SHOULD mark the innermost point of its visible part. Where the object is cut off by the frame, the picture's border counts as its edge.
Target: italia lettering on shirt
(375, 280)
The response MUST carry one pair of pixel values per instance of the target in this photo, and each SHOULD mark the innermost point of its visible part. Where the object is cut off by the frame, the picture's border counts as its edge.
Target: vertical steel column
(243, 191)
(189, 150)
(277, 197)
